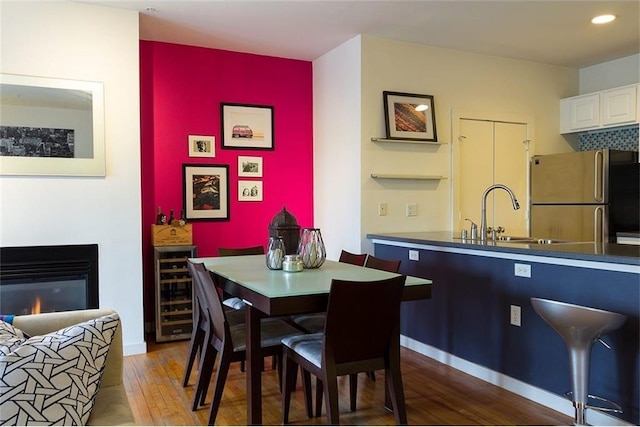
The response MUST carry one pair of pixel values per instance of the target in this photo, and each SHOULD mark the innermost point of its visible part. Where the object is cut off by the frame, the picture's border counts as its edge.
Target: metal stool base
(580, 418)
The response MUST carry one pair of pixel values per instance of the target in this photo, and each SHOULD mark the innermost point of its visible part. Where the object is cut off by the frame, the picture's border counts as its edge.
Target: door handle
(598, 220)
(597, 179)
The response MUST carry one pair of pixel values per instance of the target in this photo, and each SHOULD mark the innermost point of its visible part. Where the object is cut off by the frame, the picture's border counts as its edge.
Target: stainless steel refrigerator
(586, 196)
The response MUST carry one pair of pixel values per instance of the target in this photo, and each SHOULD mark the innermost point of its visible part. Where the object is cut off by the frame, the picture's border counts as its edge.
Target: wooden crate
(171, 235)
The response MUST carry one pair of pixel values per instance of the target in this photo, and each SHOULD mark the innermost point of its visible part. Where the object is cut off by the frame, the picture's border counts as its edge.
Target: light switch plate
(412, 209)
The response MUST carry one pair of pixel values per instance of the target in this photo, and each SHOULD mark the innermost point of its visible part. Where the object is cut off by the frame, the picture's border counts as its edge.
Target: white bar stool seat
(580, 327)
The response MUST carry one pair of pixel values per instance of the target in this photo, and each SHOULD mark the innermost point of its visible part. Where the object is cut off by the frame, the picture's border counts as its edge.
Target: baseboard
(538, 395)
(132, 349)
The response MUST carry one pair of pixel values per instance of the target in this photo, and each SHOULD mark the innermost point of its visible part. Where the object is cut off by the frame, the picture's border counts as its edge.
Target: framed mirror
(51, 126)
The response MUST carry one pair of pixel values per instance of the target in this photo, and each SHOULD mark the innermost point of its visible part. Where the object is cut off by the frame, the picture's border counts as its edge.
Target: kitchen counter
(589, 251)
(476, 286)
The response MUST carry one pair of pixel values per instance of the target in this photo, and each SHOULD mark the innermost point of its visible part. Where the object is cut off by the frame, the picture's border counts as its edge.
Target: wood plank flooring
(435, 394)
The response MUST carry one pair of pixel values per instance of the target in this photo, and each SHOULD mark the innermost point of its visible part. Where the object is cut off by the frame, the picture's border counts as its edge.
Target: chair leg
(372, 375)
(393, 379)
(195, 346)
(319, 395)
(353, 390)
(331, 397)
(289, 381)
(306, 388)
(205, 370)
(221, 378)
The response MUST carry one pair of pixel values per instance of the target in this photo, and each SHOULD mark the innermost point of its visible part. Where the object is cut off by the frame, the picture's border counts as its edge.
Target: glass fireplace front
(43, 279)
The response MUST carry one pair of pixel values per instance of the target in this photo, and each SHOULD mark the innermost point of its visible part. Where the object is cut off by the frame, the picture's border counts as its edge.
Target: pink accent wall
(181, 91)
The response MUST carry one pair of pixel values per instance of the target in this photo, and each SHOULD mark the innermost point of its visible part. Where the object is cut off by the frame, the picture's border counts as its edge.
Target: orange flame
(35, 309)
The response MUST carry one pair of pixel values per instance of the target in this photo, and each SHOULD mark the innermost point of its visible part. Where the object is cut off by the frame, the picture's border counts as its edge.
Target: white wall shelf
(406, 176)
(407, 141)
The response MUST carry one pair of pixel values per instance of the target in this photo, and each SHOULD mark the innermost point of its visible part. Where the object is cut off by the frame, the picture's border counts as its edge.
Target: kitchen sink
(530, 240)
(517, 239)
(526, 240)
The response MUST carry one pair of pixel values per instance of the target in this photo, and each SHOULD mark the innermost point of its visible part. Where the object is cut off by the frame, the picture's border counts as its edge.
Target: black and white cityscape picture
(21, 141)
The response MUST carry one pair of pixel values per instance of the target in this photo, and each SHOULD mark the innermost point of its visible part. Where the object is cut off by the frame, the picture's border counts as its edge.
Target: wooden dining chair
(351, 258)
(391, 265)
(228, 341)
(201, 327)
(353, 341)
(314, 322)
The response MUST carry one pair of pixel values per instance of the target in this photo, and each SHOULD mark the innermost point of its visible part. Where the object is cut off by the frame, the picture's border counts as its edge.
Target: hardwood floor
(435, 394)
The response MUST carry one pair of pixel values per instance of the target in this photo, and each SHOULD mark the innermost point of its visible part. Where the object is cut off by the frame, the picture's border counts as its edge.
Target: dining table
(269, 293)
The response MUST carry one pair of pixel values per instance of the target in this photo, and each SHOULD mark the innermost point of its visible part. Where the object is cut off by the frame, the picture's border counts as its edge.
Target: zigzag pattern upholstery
(53, 379)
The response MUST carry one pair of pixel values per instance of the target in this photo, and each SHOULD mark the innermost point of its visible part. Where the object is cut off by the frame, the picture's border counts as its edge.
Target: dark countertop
(590, 251)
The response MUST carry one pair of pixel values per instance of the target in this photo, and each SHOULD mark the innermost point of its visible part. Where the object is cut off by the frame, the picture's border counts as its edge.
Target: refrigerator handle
(597, 179)
(598, 219)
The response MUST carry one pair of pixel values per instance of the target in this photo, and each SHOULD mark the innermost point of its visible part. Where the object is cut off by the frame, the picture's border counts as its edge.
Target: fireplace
(43, 279)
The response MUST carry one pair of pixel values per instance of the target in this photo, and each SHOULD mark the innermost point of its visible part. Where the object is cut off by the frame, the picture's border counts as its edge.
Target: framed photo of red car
(206, 192)
(409, 116)
(246, 126)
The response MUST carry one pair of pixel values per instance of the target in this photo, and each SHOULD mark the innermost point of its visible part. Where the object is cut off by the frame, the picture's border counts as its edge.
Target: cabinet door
(580, 113)
(619, 106)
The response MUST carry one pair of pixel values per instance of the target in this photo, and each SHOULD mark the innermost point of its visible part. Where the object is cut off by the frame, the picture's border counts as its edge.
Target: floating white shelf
(407, 141)
(406, 176)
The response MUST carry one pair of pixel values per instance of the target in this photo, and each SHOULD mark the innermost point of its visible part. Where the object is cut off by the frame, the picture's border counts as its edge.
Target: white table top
(251, 271)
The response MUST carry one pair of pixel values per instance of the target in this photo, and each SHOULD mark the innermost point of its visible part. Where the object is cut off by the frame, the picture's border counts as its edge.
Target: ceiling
(551, 32)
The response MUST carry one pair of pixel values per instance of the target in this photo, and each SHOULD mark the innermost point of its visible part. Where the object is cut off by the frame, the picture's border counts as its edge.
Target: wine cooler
(174, 292)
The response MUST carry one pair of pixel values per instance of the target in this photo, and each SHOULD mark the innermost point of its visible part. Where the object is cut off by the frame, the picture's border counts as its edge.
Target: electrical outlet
(382, 209)
(522, 270)
(516, 312)
(414, 255)
(412, 209)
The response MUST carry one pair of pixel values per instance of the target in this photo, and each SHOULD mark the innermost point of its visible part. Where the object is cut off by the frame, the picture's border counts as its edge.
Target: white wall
(336, 148)
(459, 81)
(619, 72)
(91, 43)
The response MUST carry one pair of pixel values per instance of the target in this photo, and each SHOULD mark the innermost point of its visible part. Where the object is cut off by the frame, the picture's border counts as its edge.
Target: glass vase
(311, 248)
(275, 253)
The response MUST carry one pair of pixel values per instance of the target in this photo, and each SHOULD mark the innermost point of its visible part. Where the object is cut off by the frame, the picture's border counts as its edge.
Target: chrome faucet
(483, 216)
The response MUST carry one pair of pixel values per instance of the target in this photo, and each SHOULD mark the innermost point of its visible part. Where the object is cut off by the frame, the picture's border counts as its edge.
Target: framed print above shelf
(409, 116)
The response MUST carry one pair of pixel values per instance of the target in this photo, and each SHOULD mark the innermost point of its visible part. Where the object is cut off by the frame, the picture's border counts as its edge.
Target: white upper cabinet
(608, 108)
(619, 106)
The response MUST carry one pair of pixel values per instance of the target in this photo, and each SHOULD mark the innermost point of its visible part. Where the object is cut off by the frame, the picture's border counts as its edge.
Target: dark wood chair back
(392, 266)
(370, 327)
(253, 250)
(211, 303)
(350, 258)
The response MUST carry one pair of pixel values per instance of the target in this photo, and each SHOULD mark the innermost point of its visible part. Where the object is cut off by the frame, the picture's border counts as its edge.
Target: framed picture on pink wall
(202, 146)
(249, 191)
(206, 192)
(246, 126)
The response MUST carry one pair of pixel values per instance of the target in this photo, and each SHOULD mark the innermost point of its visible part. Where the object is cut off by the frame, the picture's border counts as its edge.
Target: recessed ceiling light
(603, 19)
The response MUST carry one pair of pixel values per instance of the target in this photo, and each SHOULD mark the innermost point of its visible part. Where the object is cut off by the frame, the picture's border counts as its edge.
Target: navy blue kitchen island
(466, 323)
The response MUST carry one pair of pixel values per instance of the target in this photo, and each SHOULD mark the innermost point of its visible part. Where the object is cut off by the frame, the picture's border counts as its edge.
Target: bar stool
(580, 327)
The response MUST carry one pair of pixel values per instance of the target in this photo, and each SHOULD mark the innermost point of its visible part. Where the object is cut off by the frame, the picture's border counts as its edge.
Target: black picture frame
(405, 120)
(247, 126)
(206, 192)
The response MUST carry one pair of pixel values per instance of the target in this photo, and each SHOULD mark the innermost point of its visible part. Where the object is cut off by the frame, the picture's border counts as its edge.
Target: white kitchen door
(493, 153)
